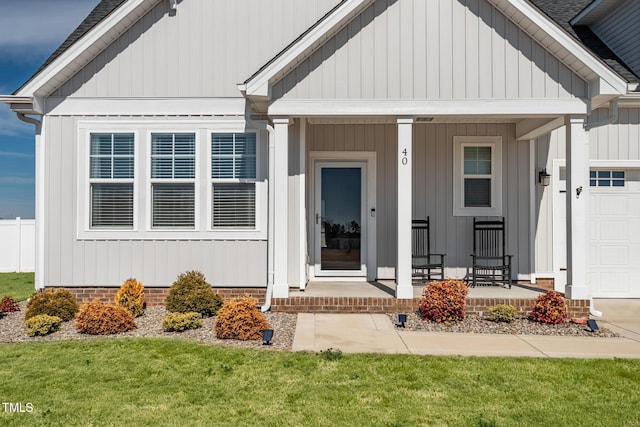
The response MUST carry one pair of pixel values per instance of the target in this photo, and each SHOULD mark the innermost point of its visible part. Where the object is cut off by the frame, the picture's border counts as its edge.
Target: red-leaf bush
(8, 305)
(549, 307)
(240, 319)
(444, 301)
(95, 318)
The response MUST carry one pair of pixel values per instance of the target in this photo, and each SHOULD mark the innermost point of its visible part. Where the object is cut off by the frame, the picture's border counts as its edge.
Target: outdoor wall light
(267, 336)
(544, 178)
(402, 318)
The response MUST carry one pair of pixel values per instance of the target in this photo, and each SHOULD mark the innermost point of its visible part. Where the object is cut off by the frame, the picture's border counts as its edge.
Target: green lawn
(18, 285)
(127, 381)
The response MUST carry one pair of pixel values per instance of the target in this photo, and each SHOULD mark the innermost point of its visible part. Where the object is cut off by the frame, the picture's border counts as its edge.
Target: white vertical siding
(73, 262)
(433, 185)
(440, 49)
(620, 30)
(205, 49)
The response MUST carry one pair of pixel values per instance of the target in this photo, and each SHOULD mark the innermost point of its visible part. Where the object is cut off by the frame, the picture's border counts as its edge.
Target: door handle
(317, 218)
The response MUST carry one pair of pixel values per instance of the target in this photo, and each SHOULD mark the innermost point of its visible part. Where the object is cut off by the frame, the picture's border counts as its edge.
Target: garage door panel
(613, 205)
(612, 255)
(611, 283)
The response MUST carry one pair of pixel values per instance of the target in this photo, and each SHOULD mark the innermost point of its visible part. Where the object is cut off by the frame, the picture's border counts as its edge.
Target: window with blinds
(477, 176)
(173, 173)
(233, 175)
(111, 175)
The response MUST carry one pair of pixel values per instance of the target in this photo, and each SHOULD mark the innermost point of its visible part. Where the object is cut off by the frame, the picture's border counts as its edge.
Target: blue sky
(30, 30)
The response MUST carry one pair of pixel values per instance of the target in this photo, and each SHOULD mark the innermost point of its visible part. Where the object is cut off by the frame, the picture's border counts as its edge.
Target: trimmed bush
(58, 303)
(444, 301)
(8, 305)
(42, 324)
(549, 307)
(130, 296)
(191, 293)
(95, 318)
(179, 322)
(502, 313)
(240, 319)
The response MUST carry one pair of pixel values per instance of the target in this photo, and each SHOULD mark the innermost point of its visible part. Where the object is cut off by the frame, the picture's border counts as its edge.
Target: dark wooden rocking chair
(491, 264)
(424, 264)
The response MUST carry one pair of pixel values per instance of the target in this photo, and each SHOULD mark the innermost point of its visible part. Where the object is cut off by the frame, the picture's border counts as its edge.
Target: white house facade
(269, 143)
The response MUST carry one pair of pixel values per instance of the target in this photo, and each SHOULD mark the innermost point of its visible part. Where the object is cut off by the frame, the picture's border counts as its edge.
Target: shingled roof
(561, 12)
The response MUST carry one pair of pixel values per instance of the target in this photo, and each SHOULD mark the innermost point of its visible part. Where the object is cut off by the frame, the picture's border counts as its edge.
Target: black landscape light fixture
(267, 336)
(544, 178)
(593, 325)
(402, 318)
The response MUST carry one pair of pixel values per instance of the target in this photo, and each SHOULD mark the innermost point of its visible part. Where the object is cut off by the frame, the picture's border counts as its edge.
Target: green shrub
(42, 324)
(178, 322)
(130, 296)
(58, 303)
(549, 307)
(95, 318)
(240, 319)
(444, 301)
(331, 355)
(8, 305)
(191, 293)
(502, 313)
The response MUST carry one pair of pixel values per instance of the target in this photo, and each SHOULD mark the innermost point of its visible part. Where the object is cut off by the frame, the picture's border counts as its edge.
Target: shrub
(8, 305)
(178, 322)
(549, 307)
(130, 296)
(240, 319)
(95, 318)
(444, 301)
(502, 313)
(54, 303)
(191, 293)
(42, 324)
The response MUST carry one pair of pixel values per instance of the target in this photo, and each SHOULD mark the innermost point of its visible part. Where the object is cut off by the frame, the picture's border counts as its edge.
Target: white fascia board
(259, 84)
(468, 107)
(73, 52)
(565, 40)
(145, 106)
(532, 128)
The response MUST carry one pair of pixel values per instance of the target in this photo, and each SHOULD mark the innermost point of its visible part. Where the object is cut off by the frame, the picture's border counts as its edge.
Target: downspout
(270, 215)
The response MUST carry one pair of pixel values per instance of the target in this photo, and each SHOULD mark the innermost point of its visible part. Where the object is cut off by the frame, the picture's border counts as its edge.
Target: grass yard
(18, 285)
(137, 381)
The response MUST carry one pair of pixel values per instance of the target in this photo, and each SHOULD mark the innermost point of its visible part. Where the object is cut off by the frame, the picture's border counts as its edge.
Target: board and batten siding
(203, 50)
(433, 186)
(620, 31)
(617, 141)
(156, 263)
(437, 49)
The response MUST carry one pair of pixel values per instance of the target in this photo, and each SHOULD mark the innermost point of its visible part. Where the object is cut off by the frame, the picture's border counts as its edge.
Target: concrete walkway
(375, 333)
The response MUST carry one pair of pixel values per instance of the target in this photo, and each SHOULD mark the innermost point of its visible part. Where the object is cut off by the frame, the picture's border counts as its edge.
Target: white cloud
(40, 24)
(16, 154)
(10, 125)
(18, 180)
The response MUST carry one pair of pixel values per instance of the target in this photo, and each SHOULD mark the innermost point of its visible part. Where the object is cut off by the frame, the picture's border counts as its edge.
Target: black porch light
(402, 318)
(267, 336)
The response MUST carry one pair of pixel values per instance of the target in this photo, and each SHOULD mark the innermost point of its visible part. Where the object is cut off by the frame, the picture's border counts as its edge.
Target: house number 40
(405, 159)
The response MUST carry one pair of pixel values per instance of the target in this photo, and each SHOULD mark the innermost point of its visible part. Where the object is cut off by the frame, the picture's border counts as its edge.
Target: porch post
(404, 289)
(577, 145)
(280, 176)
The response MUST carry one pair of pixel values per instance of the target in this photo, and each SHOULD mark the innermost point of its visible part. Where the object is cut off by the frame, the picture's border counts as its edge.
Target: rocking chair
(491, 264)
(424, 264)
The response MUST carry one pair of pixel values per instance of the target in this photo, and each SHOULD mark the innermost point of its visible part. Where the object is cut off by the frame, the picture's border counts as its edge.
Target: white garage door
(614, 233)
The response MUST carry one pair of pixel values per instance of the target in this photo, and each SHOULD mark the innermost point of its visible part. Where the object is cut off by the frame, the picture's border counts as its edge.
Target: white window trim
(260, 182)
(495, 142)
(142, 229)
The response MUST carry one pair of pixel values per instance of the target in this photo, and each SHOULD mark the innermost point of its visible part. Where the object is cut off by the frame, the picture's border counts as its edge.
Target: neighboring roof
(562, 12)
(101, 11)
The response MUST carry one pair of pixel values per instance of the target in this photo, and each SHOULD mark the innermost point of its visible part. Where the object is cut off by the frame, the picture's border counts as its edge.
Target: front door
(340, 221)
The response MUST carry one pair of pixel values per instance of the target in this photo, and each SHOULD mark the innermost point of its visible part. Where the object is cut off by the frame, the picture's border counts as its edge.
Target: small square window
(606, 178)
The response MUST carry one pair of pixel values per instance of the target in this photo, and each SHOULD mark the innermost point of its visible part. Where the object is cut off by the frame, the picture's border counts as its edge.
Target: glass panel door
(339, 219)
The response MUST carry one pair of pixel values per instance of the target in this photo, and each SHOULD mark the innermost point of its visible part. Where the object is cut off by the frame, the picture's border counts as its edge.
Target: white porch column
(577, 204)
(280, 176)
(404, 289)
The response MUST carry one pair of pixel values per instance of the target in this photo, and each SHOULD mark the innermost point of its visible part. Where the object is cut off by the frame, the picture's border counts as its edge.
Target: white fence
(17, 245)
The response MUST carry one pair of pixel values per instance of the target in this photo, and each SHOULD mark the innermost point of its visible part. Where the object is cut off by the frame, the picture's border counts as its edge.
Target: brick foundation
(308, 304)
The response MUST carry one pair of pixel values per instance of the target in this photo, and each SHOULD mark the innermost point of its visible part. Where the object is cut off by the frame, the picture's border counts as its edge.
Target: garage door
(614, 233)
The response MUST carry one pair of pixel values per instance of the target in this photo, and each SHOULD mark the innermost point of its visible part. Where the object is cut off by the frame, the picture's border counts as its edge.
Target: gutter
(271, 211)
